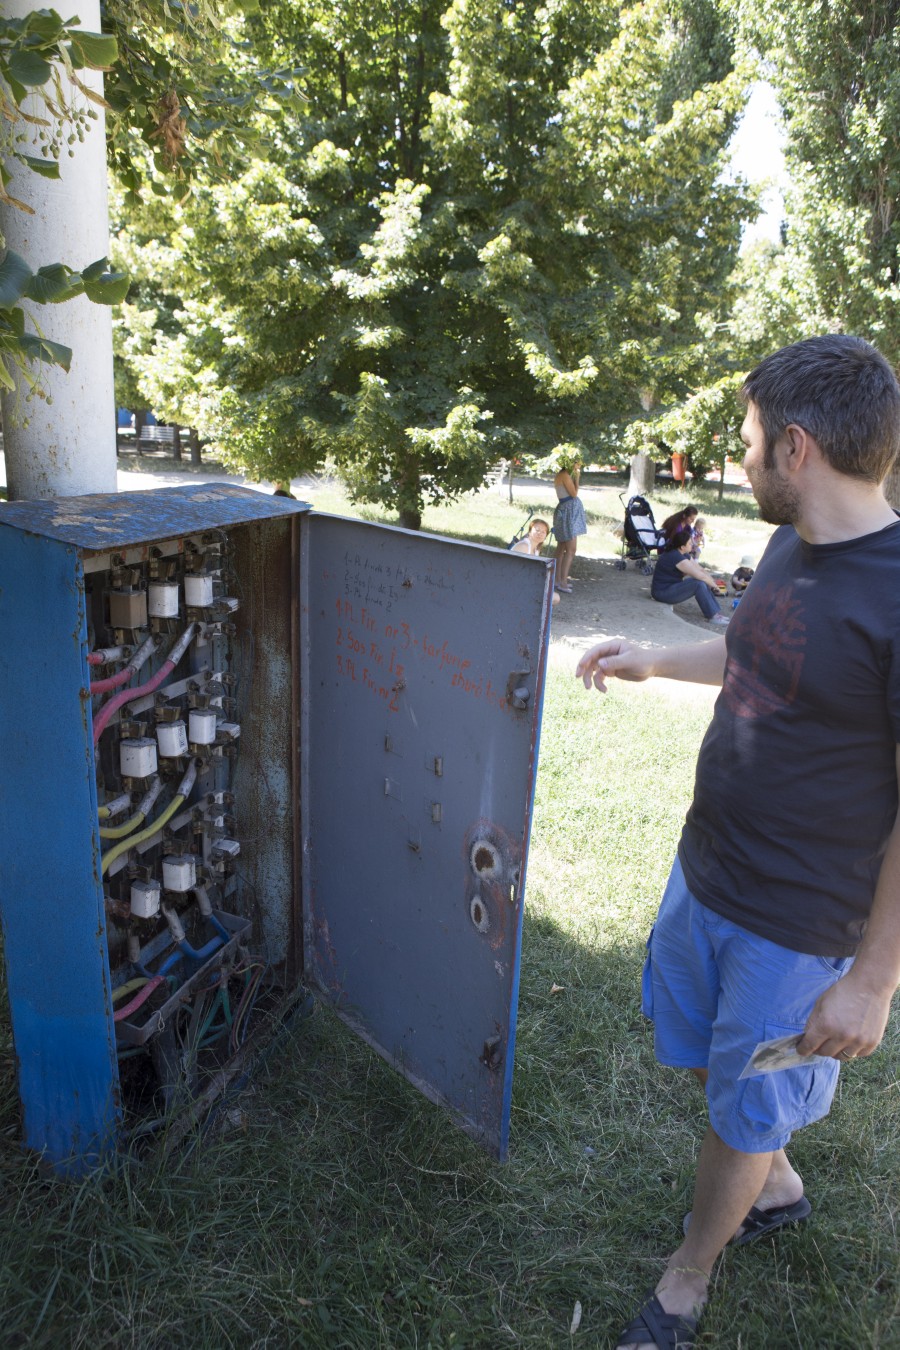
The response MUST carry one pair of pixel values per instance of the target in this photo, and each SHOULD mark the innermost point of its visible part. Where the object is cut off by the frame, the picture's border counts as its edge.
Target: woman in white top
(568, 519)
(534, 540)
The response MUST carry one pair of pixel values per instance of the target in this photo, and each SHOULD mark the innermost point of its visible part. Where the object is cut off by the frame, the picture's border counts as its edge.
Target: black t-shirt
(666, 573)
(796, 788)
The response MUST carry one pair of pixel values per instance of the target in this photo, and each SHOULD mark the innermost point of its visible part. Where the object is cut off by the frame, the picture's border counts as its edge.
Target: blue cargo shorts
(714, 991)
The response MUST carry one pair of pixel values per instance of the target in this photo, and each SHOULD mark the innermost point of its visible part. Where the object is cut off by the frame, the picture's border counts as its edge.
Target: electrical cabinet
(248, 749)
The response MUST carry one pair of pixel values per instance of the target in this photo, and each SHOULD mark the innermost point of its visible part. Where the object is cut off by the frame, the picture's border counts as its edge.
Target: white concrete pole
(68, 446)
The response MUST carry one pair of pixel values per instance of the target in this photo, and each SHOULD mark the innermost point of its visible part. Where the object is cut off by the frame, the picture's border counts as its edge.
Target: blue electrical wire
(203, 953)
(220, 928)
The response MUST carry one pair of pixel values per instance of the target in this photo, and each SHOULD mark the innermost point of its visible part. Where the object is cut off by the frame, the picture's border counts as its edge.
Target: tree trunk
(722, 479)
(176, 443)
(409, 496)
(194, 442)
(510, 482)
(643, 476)
(63, 443)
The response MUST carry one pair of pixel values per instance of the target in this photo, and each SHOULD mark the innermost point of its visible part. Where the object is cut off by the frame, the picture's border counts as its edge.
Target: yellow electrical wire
(128, 988)
(151, 830)
(119, 831)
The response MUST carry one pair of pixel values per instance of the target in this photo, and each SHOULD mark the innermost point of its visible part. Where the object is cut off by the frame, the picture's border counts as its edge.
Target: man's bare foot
(682, 1291)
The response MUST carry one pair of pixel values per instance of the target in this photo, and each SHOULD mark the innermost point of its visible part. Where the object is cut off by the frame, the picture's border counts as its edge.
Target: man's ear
(799, 444)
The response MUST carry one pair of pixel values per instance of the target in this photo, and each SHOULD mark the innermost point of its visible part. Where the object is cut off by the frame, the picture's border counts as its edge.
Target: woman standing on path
(677, 578)
(568, 518)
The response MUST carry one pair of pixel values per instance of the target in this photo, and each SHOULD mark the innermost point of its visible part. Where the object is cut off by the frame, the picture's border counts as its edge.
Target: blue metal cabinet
(376, 695)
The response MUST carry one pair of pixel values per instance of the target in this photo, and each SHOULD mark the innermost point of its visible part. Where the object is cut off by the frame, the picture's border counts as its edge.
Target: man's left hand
(847, 1022)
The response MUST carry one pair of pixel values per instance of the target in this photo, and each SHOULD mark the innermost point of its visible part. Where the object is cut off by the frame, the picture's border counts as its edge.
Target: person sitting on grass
(677, 577)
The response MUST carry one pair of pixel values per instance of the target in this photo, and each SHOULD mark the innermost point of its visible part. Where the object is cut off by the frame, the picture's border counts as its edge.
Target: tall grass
(328, 1205)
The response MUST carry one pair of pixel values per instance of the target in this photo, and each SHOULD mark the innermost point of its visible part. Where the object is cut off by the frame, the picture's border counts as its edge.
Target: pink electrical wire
(112, 681)
(102, 719)
(104, 654)
(139, 999)
(127, 695)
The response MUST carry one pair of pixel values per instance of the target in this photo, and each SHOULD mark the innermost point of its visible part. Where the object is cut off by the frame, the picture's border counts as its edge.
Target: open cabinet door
(421, 687)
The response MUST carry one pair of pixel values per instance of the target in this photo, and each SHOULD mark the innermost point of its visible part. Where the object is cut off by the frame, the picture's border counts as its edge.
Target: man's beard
(778, 501)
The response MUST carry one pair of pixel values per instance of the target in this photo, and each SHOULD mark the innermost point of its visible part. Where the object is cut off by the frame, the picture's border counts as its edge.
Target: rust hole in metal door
(479, 914)
(485, 859)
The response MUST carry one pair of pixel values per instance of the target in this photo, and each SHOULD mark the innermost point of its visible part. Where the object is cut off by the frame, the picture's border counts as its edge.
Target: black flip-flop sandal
(654, 1326)
(760, 1222)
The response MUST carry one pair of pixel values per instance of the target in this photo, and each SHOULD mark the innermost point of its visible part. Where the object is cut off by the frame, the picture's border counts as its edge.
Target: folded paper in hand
(772, 1056)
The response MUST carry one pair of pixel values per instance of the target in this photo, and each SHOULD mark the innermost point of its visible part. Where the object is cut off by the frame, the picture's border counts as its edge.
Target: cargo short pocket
(770, 1106)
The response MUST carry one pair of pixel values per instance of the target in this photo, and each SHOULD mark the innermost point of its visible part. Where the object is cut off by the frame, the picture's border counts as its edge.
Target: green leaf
(45, 24)
(98, 51)
(42, 349)
(105, 288)
(18, 91)
(47, 168)
(53, 284)
(28, 68)
(15, 275)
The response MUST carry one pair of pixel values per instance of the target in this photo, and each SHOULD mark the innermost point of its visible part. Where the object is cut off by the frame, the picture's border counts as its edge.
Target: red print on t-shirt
(766, 657)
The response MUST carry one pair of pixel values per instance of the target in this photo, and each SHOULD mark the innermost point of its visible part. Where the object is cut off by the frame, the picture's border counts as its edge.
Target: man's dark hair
(839, 389)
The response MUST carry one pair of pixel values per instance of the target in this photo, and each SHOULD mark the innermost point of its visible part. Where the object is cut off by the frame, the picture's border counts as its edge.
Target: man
(782, 912)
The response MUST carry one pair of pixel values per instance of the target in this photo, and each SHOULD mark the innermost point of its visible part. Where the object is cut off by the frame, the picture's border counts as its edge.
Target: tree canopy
(836, 71)
(489, 230)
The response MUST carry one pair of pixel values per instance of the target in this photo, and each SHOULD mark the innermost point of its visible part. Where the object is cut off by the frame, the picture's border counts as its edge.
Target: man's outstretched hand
(614, 658)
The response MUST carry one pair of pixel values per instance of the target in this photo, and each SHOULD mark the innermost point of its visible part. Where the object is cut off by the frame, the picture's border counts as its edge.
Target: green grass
(328, 1205)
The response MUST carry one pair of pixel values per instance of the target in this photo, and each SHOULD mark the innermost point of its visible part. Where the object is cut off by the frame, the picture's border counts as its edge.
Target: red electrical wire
(96, 659)
(139, 999)
(106, 712)
(112, 681)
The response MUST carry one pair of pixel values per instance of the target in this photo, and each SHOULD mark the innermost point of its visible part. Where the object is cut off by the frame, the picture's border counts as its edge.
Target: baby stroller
(640, 537)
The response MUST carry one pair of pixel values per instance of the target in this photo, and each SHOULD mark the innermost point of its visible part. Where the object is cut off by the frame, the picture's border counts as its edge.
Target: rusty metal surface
(51, 896)
(114, 520)
(423, 667)
(266, 667)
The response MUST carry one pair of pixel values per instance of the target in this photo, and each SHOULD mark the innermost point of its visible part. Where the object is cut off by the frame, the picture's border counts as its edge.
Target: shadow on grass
(330, 1204)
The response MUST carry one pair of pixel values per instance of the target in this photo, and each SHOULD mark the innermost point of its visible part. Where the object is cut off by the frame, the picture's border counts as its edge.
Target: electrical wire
(144, 808)
(184, 790)
(114, 807)
(220, 928)
(140, 658)
(204, 953)
(129, 988)
(117, 701)
(105, 654)
(138, 1002)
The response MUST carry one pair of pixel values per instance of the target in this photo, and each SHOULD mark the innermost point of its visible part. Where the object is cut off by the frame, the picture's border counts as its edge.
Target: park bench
(159, 436)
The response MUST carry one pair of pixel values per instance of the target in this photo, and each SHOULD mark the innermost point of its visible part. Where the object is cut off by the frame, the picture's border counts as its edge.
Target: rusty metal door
(421, 688)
